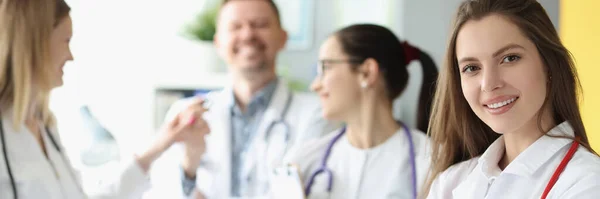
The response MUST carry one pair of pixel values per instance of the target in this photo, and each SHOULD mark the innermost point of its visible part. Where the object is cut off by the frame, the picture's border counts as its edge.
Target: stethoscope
(560, 168)
(285, 131)
(324, 169)
(8, 168)
(281, 121)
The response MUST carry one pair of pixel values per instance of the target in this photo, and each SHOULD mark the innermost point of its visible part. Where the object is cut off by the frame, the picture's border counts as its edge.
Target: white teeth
(501, 104)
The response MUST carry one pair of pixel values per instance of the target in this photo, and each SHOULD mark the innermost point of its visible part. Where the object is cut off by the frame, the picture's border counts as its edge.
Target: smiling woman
(506, 105)
(35, 36)
(509, 70)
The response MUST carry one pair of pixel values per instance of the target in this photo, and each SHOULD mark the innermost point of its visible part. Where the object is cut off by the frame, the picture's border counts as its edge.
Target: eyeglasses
(325, 64)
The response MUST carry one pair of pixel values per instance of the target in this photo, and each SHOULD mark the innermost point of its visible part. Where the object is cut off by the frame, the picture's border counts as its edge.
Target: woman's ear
(368, 72)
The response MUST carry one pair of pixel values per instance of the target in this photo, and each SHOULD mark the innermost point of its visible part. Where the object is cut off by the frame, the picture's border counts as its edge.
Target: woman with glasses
(362, 69)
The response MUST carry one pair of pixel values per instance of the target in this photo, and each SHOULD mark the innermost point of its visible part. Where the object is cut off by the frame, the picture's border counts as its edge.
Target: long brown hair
(457, 134)
(25, 55)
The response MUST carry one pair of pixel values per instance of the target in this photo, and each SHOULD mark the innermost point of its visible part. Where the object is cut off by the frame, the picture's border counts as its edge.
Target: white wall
(553, 9)
(121, 49)
(331, 15)
(426, 25)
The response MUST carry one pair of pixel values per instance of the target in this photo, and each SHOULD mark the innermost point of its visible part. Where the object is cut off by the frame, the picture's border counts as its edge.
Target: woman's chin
(332, 115)
(57, 84)
(500, 128)
(326, 115)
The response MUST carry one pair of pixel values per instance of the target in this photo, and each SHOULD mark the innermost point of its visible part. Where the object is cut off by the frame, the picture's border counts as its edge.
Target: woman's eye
(470, 68)
(510, 58)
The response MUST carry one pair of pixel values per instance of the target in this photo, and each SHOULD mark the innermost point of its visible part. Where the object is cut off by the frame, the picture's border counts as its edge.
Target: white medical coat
(383, 171)
(53, 177)
(268, 149)
(528, 174)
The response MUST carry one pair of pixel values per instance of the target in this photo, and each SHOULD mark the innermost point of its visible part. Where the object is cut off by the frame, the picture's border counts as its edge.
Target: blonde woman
(34, 46)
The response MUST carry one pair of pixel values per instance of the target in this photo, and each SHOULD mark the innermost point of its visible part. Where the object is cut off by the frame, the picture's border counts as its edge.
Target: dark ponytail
(364, 41)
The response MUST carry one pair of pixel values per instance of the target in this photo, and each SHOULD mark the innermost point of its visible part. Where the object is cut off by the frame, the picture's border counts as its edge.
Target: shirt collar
(262, 98)
(530, 160)
(490, 158)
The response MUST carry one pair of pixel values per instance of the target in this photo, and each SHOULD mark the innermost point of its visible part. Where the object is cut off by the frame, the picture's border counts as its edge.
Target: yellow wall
(579, 27)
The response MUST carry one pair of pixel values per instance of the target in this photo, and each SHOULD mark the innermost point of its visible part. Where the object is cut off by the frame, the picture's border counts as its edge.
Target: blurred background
(133, 58)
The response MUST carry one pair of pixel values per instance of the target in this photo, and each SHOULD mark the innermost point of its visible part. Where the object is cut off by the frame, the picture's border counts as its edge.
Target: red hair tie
(410, 52)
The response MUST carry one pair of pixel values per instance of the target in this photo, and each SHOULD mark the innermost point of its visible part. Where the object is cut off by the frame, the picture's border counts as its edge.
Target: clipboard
(286, 182)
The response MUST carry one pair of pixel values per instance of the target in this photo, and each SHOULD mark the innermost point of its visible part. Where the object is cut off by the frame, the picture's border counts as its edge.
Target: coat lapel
(219, 141)
(266, 143)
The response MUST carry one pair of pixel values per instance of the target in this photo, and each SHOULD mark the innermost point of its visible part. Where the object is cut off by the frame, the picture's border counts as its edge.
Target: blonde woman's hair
(25, 56)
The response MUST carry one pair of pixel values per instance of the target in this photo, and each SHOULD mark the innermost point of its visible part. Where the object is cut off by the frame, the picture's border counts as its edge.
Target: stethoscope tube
(323, 167)
(281, 120)
(4, 152)
(413, 162)
(6, 161)
(286, 131)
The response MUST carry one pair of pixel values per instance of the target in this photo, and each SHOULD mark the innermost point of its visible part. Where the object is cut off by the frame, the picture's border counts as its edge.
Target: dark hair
(270, 2)
(364, 41)
(457, 134)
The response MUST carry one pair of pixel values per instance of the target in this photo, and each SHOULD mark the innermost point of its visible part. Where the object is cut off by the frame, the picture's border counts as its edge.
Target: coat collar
(530, 160)
(220, 123)
(526, 164)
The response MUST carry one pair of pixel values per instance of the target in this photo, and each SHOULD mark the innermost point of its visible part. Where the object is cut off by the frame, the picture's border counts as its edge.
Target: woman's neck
(517, 141)
(372, 124)
(33, 123)
(33, 110)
